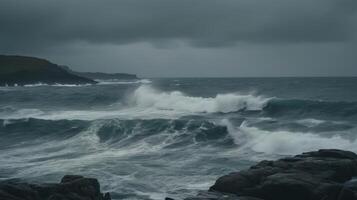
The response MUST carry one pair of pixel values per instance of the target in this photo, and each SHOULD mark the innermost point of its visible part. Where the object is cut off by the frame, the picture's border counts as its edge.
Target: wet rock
(70, 178)
(219, 196)
(349, 191)
(71, 187)
(324, 174)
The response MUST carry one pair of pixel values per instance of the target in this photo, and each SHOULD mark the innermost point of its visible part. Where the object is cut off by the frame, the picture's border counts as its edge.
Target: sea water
(153, 138)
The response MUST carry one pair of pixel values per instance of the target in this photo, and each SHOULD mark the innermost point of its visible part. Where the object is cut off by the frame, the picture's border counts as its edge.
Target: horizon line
(354, 76)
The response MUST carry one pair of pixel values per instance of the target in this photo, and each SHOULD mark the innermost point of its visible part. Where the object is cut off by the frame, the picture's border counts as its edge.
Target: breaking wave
(100, 82)
(140, 137)
(35, 148)
(148, 97)
(148, 103)
(149, 135)
(124, 82)
(56, 85)
(284, 142)
(146, 140)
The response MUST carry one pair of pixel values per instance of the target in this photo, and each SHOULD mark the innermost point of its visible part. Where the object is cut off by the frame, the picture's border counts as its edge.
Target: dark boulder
(323, 174)
(72, 187)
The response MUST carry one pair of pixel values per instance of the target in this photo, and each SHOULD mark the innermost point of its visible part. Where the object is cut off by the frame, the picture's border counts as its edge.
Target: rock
(70, 178)
(72, 187)
(330, 153)
(324, 174)
(219, 196)
(349, 191)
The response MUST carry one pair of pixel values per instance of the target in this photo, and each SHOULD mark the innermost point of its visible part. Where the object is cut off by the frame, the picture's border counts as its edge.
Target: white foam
(285, 142)
(6, 122)
(5, 88)
(37, 153)
(56, 85)
(36, 85)
(147, 97)
(145, 81)
(148, 103)
(21, 114)
(119, 82)
(310, 122)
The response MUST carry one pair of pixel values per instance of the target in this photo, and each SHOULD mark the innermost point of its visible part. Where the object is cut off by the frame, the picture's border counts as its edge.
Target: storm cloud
(39, 26)
(199, 22)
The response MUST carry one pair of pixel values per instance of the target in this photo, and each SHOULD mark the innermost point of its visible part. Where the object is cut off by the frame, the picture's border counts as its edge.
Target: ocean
(157, 138)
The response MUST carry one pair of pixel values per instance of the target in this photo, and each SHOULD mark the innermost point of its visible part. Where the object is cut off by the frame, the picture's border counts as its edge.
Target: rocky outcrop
(71, 187)
(319, 175)
(326, 174)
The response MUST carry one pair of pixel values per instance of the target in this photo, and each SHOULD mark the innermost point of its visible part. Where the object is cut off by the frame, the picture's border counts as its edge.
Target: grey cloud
(40, 24)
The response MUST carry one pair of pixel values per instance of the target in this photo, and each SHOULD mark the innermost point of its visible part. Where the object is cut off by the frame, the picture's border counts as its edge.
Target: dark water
(154, 138)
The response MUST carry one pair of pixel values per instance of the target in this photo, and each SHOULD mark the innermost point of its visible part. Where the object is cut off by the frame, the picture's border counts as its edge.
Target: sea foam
(148, 97)
(124, 82)
(147, 102)
(283, 142)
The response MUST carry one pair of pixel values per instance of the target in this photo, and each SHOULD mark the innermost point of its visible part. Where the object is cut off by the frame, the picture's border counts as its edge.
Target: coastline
(324, 174)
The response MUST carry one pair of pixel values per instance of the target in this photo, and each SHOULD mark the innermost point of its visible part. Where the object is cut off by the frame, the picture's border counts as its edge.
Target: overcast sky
(179, 38)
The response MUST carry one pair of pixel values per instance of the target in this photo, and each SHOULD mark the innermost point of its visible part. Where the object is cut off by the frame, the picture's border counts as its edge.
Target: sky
(186, 38)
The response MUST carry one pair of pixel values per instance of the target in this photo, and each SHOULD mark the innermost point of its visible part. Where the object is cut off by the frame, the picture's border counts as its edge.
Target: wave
(148, 97)
(148, 103)
(100, 82)
(298, 107)
(13, 113)
(161, 135)
(119, 82)
(55, 85)
(153, 134)
(281, 142)
(310, 122)
(45, 149)
(37, 147)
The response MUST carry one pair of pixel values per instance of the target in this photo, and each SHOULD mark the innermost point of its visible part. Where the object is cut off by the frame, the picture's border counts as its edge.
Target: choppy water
(154, 138)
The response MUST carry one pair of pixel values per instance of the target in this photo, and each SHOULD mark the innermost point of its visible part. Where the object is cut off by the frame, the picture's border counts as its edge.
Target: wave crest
(124, 82)
(147, 97)
(283, 142)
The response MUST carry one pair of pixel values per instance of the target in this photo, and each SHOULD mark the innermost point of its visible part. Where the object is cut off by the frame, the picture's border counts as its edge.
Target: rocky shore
(319, 175)
(71, 187)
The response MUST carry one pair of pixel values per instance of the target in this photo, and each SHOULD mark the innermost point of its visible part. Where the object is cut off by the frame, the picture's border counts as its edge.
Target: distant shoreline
(24, 70)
